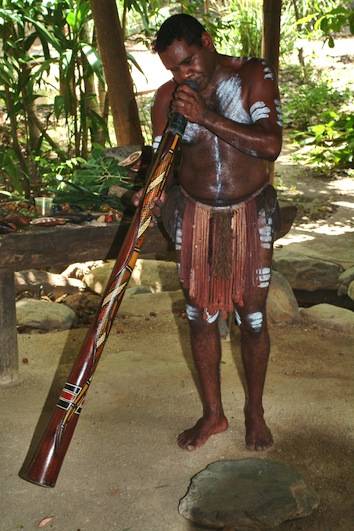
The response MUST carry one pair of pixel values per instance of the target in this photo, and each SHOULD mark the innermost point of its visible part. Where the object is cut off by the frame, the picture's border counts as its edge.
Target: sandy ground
(123, 470)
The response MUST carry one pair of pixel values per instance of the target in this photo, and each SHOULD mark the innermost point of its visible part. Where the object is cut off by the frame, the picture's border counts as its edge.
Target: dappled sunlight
(293, 237)
(343, 185)
(344, 204)
(323, 227)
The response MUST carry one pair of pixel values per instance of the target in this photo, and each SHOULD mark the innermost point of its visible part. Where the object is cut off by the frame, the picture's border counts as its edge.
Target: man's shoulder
(255, 67)
(166, 90)
(246, 66)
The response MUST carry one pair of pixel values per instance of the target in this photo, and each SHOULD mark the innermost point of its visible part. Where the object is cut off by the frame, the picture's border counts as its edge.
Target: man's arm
(161, 108)
(260, 98)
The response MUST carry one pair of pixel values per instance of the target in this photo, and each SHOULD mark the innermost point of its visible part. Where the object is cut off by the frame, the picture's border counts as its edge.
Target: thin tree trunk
(300, 52)
(120, 86)
(271, 32)
(91, 97)
(24, 167)
(270, 44)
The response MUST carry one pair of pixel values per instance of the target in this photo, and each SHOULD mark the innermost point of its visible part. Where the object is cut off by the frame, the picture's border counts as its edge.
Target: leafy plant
(330, 21)
(304, 103)
(86, 183)
(330, 143)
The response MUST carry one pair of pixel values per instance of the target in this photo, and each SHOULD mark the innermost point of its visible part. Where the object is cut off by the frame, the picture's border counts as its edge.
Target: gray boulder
(44, 315)
(247, 494)
(282, 305)
(350, 291)
(345, 280)
(329, 316)
(307, 273)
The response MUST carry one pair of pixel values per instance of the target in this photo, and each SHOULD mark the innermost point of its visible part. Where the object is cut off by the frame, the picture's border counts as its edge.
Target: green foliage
(86, 183)
(304, 102)
(319, 119)
(330, 143)
(329, 21)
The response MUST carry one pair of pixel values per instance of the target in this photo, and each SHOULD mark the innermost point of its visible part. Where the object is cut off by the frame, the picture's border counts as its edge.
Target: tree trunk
(120, 86)
(91, 97)
(270, 44)
(271, 32)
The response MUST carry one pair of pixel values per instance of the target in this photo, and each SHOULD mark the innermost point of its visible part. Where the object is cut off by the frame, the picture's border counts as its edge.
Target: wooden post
(120, 86)
(270, 42)
(8, 332)
(271, 32)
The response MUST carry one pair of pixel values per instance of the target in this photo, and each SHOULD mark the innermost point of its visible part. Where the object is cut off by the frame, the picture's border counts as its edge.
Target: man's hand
(189, 103)
(156, 209)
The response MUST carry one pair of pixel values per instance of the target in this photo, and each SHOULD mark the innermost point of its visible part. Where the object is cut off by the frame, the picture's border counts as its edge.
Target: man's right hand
(156, 208)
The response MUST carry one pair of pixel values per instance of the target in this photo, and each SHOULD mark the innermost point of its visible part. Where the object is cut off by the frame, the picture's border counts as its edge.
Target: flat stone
(304, 272)
(282, 306)
(247, 494)
(330, 316)
(44, 315)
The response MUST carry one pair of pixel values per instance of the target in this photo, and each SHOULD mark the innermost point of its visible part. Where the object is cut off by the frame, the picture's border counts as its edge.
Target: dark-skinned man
(220, 209)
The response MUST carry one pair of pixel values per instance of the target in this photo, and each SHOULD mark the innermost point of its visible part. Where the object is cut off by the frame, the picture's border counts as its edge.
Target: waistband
(233, 206)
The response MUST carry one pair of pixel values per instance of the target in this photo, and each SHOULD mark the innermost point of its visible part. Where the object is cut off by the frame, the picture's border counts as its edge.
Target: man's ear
(207, 41)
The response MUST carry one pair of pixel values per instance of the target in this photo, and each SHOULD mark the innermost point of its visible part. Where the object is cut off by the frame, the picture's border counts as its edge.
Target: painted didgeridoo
(45, 465)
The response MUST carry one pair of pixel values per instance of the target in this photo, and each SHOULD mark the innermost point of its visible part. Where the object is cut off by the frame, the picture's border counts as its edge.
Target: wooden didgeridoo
(49, 455)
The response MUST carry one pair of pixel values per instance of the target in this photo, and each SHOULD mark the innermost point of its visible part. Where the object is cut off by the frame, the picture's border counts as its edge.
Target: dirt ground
(124, 470)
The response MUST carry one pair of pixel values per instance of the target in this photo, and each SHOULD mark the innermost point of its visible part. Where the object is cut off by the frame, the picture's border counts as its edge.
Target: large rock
(44, 283)
(282, 305)
(247, 494)
(80, 269)
(307, 273)
(158, 275)
(330, 316)
(44, 315)
(350, 291)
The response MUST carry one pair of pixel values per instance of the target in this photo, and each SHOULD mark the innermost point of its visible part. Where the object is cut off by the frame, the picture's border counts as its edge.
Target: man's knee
(195, 314)
(252, 322)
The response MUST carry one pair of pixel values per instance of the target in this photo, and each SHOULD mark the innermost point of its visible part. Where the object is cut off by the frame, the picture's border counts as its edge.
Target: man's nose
(186, 73)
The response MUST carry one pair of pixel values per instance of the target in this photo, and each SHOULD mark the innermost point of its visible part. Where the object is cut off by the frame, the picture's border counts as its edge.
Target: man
(221, 209)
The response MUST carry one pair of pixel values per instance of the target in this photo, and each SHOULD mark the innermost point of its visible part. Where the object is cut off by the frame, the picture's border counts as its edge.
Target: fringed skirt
(219, 248)
(219, 253)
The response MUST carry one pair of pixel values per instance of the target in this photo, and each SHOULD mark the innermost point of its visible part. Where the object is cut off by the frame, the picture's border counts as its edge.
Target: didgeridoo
(48, 457)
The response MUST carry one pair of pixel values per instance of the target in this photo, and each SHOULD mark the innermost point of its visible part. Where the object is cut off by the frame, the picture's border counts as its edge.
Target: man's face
(189, 61)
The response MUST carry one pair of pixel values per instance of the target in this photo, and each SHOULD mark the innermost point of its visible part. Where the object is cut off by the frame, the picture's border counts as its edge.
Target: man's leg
(206, 348)
(255, 346)
(255, 343)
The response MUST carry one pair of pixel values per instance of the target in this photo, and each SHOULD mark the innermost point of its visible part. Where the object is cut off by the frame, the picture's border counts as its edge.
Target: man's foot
(198, 435)
(258, 435)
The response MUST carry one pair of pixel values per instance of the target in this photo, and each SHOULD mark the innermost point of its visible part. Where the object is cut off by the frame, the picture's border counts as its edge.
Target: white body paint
(279, 112)
(193, 313)
(265, 230)
(259, 110)
(156, 142)
(263, 275)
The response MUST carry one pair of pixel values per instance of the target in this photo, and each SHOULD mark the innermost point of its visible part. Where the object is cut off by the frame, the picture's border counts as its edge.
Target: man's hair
(178, 27)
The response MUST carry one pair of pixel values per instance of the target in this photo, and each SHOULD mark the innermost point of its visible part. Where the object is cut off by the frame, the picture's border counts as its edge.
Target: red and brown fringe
(220, 254)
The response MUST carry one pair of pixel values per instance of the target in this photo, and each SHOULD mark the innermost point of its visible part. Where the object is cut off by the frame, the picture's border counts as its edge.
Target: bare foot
(198, 435)
(258, 435)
